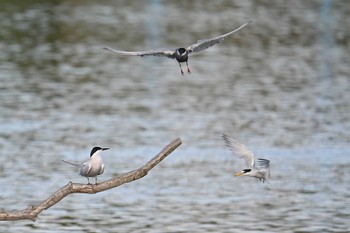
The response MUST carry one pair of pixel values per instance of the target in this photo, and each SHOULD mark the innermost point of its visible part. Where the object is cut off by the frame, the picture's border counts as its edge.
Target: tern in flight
(181, 54)
(257, 168)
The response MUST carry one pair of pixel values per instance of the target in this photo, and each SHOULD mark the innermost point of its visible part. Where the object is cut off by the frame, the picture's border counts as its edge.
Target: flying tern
(181, 54)
(258, 168)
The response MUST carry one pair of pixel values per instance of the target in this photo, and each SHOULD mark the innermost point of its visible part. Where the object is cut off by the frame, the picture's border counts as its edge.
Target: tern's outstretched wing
(157, 53)
(264, 166)
(263, 163)
(239, 150)
(206, 43)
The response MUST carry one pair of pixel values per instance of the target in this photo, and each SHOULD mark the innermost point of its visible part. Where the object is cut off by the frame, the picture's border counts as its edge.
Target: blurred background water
(281, 85)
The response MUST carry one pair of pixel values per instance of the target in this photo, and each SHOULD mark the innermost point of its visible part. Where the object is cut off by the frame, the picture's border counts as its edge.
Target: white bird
(181, 54)
(259, 168)
(94, 166)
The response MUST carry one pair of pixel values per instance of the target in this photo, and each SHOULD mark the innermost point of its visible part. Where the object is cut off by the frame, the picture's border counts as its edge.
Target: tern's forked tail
(74, 164)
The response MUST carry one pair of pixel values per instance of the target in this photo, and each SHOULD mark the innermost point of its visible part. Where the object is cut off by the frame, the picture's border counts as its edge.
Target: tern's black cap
(96, 148)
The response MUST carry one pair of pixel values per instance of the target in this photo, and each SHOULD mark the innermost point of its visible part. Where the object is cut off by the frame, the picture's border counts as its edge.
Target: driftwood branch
(32, 212)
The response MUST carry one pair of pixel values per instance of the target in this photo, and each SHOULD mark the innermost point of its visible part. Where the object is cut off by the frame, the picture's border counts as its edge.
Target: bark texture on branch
(32, 212)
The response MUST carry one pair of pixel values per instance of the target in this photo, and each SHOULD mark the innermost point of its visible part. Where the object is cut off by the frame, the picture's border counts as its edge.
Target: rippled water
(281, 85)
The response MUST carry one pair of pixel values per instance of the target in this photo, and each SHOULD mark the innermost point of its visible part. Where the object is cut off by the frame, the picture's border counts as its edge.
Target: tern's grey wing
(239, 150)
(264, 166)
(85, 169)
(102, 169)
(157, 53)
(206, 43)
(263, 163)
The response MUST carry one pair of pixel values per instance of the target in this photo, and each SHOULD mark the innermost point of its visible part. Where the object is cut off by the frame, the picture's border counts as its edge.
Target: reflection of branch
(33, 211)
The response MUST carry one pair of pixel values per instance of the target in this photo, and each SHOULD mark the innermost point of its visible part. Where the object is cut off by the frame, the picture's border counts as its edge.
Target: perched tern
(94, 166)
(181, 54)
(257, 168)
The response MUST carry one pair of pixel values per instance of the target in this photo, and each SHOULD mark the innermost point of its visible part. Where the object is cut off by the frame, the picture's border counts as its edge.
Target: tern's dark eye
(246, 170)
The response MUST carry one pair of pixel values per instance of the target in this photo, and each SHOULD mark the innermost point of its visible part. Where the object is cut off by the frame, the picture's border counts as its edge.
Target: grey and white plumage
(94, 166)
(181, 54)
(258, 168)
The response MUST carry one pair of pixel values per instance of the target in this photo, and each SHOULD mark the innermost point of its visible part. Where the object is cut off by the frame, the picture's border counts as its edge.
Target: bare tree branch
(32, 212)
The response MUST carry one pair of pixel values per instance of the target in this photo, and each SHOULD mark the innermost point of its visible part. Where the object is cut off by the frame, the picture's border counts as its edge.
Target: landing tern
(181, 54)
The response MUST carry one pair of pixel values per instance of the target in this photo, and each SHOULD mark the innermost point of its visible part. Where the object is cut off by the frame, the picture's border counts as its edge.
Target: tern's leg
(95, 179)
(182, 73)
(188, 69)
(88, 180)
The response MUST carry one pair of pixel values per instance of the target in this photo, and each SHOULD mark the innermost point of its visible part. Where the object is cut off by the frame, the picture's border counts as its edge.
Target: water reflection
(61, 94)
